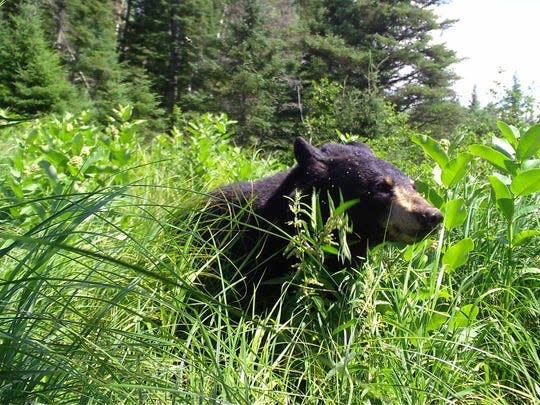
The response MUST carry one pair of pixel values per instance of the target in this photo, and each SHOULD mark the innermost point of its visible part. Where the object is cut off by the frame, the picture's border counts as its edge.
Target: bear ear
(306, 154)
(361, 145)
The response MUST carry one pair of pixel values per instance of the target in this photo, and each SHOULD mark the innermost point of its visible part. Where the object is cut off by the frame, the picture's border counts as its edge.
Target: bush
(58, 157)
(331, 106)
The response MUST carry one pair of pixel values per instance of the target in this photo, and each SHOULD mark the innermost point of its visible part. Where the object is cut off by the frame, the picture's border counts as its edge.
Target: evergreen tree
(331, 106)
(513, 104)
(31, 79)
(255, 59)
(166, 38)
(258, 85)
(390, 37)
(479, 120)
(217, 55)
(85, 33)
(474, 104)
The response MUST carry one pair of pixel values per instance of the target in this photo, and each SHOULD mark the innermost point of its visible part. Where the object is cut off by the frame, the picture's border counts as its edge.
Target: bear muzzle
(411, 217)
(429, 218)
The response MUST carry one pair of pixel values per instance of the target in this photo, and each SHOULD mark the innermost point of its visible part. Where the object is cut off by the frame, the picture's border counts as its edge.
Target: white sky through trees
(493, 35)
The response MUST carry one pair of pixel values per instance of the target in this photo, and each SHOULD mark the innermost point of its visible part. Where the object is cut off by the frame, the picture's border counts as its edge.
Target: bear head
(389, 207)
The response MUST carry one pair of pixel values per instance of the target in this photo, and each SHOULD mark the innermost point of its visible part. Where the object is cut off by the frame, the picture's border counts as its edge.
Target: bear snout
(429, 217)
(411, 217)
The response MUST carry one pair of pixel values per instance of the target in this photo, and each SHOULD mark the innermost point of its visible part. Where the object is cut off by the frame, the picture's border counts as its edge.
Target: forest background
(278, 67)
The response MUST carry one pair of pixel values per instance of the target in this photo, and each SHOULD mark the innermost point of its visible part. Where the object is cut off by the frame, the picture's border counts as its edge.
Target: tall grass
(100, 301)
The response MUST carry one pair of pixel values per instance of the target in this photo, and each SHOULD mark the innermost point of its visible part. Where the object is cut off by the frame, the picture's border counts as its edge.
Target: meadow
(101, 252)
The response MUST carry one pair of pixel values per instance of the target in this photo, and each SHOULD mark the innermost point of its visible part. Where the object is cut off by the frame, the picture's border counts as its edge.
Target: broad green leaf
(530, 164)
(417, 251)
(458, 254)
(507, 207)
(526, 182)
(49, 168)
(455, 169)
(16, 189)
(454, 213)
(456, 142)
(125, 112)
(39, 210)
(445, 294)
(17, 162)
(425, 294)
(510, 133)
(465, 317)
(525, 236)
(437, 174)
(56, 158)
(529, 144)
(77, 144)
(437, 320)
(503, 146)
(330, 249)
(496, 158)
(28, 210)
(429, 192)
(205, 149)
(501, 190)
(432, 148)
(120, 156)
(30, 186)
(503, 196)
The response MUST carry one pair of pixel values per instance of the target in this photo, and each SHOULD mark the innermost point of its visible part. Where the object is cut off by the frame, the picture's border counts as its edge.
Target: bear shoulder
(258, 193)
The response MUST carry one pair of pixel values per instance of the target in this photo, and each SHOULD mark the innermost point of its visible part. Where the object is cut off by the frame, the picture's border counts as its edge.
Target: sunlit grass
(95, 310)
(101, 301)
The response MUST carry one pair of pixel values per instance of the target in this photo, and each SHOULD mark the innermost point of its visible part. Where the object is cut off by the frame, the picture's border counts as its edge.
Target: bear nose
(431, 217)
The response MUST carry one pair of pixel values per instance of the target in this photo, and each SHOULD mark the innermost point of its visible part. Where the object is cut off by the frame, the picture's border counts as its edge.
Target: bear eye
(385, 185)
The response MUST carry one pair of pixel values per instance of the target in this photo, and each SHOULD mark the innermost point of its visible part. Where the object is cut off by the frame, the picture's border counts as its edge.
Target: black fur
(348, 171)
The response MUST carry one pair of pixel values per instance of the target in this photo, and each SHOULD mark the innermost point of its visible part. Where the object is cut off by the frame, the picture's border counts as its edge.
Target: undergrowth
(101, 253)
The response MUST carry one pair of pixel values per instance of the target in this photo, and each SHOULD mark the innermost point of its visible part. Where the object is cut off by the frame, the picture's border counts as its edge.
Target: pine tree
(85, 33)
(390, 37)
(246, 92)
(212, 55)
(513, 104)
(166, 38)
(31, 79)
(479, 120)
(474, 104)
(258, 80)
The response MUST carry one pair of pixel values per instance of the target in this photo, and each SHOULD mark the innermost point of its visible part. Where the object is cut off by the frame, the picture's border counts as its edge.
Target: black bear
(388, 208)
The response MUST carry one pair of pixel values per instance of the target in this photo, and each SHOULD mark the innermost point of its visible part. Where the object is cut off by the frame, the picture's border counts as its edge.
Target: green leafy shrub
(467, 281)
(202, 152)
(331, 106)
(516, 160)
(71, 155)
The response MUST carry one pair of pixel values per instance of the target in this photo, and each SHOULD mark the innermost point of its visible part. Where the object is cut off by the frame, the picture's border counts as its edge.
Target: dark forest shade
(256, 60)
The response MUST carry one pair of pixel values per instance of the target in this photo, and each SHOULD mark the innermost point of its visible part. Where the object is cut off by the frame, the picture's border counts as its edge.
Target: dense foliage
(277, 67)
(101, 250)
(261, 62)
(116, 120)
